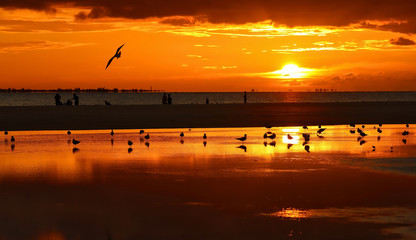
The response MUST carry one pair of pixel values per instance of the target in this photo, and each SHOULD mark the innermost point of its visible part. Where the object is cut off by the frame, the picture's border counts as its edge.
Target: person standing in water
(169, 99)
(245, 97)
(58, 99)
(164, 99)
(76, 100)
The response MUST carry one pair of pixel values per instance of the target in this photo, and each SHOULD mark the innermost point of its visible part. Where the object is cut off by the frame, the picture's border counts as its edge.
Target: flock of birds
(268, 135)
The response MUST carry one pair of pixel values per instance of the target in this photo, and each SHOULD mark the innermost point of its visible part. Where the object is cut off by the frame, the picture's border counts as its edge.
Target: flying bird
(117, 55)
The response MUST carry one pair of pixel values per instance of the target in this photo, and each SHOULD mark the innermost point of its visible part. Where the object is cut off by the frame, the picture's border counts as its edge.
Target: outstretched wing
(109, 61)
(118, 49)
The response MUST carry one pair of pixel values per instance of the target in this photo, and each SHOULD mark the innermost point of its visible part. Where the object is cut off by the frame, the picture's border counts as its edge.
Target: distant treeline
(78, 90)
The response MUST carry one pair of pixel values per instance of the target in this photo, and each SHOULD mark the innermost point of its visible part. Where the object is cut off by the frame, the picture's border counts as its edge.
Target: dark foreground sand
(215, 115)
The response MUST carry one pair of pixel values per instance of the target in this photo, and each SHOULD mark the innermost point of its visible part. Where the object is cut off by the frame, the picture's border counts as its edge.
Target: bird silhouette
(265, 135)
(112, 132)
(289, 146)
(107, 103)
(404, 141)
(352, 131)
(374, 148)
(75, 150)
(205, 136)
(75, 142)
(363, 134)
(69, 132)
(352, 125)
(181, 134)
(182, 141)
(407, 125)
(129, 142)
(305, 127)
(205, 143)
(141, 131)
(117, 55)
(147, 144)
(242, 138)
(273, 144)
(307, 148)
(147, 136)
(273, 136)
(380, 125)
(12, 139)
(289, 137)
(362, 142)
(130, 150)
(405, 133)
(379, 130)
(6, 132)
(306, 136)
(363, 126)
(321, 130)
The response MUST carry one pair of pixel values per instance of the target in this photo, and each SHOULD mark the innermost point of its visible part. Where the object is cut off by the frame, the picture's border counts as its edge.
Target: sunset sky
(209, 45)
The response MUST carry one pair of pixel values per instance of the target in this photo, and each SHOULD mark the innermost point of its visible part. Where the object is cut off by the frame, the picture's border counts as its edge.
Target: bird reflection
(182, 141)
(374, 148)
(265, 143)
(289, 146)
(362, 142)
(243, 147)
(378, 138)
(273, 144)
(112, 142)
(205, 143)
(147, 144)
(68, 141)
(404, 141)
(75, 150)
(12, 147)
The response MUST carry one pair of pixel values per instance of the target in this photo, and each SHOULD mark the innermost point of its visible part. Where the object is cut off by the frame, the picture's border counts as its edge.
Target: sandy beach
(212, 115)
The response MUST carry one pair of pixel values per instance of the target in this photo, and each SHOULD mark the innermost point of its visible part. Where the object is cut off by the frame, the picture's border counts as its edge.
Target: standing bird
(75, 142)
(379, 130)
(117, 55)
(147, 136)
(242, 138)
(129, 142)
(205, 136)
(181, 134)
(273, 136)
(6, 132)
(407, 125)
(307, 148)
(321, 130)
(69, 132)
(141, 132)
(305, 127)
(352, 125)
(404, 141)
(112, 132)
(12, 139)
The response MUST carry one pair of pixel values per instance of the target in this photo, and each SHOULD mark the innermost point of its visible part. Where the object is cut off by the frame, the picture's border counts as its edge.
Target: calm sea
(45, 99)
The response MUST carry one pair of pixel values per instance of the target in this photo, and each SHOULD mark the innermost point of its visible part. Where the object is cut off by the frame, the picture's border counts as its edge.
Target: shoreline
(204, 116)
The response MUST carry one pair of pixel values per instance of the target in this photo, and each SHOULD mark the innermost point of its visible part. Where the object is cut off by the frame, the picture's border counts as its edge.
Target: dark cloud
(402, 41)
(291, 13)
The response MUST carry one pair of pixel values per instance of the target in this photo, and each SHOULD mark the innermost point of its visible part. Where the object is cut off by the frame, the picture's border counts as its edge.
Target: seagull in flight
(117, 55)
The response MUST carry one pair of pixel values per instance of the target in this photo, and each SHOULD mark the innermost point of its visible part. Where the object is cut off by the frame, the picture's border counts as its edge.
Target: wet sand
(184, 190)
(213, 115)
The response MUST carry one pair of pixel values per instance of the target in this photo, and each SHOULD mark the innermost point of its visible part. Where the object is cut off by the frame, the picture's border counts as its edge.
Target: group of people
(166, 99)
(58, 101)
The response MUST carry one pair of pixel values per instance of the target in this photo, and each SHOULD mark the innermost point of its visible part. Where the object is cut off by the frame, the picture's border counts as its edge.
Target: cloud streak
(398, 14)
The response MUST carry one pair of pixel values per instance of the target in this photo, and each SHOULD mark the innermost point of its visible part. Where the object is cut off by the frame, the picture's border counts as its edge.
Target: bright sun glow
(290, 71)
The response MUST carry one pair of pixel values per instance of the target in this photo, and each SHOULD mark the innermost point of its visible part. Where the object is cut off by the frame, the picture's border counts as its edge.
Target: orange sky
(208, 47)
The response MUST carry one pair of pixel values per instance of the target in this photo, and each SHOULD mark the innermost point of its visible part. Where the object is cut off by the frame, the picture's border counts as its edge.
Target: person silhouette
(76, 100)
(245, 97)
(169, 99)
(58, 99)
(207, 101)
(164, 99)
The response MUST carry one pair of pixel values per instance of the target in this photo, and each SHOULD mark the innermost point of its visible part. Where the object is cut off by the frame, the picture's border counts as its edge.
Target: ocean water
(45, 99)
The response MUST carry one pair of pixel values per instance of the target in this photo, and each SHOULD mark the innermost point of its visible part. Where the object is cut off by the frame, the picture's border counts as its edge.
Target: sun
(291, 71)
